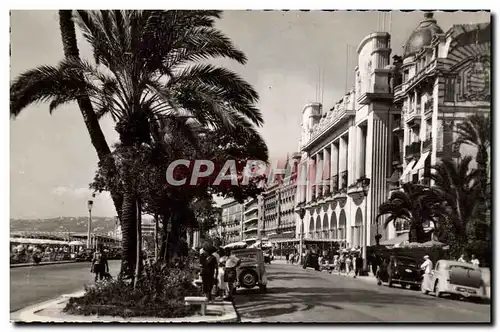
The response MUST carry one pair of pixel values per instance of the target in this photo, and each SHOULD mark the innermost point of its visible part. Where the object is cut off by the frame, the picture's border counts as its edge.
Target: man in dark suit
(359, 265)
(208, 266)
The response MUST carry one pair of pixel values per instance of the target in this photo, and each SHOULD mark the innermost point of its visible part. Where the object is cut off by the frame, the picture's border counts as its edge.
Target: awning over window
(407, 170)
(421, 162)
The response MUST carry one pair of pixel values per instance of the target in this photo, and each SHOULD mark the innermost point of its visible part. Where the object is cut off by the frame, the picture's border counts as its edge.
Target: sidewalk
(51, 312)
(41, 263)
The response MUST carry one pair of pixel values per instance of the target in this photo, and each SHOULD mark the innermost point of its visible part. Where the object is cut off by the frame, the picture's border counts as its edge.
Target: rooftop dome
(422, 35)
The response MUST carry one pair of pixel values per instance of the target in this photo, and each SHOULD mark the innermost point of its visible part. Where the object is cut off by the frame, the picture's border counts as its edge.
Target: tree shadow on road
(288, 277)
(282, 300)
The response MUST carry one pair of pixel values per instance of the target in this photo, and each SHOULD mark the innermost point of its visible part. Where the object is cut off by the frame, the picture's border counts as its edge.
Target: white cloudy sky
(52, 161)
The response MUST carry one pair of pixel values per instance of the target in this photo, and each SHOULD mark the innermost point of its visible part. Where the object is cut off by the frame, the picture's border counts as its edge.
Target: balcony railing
(343, 176)
(412, 149)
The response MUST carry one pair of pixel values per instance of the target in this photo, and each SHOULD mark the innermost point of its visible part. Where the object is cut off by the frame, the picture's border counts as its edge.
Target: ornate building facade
(444, 78)
(345, 153)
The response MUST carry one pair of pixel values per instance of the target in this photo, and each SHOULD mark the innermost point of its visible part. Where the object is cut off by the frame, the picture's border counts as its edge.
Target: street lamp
(90, 203)
(365, 183)
(301, 212)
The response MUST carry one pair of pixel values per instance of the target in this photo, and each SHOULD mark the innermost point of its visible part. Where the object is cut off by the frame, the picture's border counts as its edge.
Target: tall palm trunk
(157, 247)
(138, 265)
(416, 230)
(68, 36)
(129, 232)
(482, 165)
(163, 256)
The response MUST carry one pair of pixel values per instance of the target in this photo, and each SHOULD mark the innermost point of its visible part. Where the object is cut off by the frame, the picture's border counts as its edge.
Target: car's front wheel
(437, 291)
(248, 279)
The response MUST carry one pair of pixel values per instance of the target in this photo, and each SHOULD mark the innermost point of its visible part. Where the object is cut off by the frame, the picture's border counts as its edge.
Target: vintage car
(251, 271)
(402, 270)
(456, 278)
(85, 255)
(311, 260)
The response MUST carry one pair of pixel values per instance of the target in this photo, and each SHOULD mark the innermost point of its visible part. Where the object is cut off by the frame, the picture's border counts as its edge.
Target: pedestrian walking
(232, 263)
(474, 261)
(99, 265)
(358, 265)
(377, 261)
(427, 280)
(209, 267)
(287, 257)
(221, 280)
(348, 262)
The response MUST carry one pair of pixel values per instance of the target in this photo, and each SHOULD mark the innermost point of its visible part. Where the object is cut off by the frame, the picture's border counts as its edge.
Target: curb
(31, 315)
(12, 266)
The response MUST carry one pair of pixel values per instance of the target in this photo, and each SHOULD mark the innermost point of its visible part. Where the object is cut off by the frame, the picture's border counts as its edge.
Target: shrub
(160, 292)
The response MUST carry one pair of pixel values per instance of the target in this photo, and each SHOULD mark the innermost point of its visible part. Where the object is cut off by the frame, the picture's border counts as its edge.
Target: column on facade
(379, 171)
(361, 152)
(352, 157)
(342, 160)
(307, 180)
(334, 167)
(415, 101)
(319, 174)
(312, 176)
(325, 179)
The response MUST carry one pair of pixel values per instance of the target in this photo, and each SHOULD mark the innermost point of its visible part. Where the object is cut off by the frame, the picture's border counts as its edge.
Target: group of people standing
(218, 272)
(347, 263)
(473, 260)
(292, 258)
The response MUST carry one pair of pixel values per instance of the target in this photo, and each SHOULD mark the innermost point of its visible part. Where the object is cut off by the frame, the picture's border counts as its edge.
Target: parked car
(456, 278)
(251, 271)
(311, 260)
(85, 255)
(402, 270)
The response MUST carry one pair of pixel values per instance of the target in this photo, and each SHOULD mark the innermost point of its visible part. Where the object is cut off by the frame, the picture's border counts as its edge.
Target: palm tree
(21, 97)
(414, 203)
(148, 69)
(476, 132)
(460, 188)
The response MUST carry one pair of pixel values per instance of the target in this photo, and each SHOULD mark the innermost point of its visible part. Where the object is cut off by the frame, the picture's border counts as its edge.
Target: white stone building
(348, 147)
(446, 76)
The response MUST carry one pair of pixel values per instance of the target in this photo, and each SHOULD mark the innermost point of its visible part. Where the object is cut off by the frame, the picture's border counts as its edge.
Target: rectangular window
(449, 89)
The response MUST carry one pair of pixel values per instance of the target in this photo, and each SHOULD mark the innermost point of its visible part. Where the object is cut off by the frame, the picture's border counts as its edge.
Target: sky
(52, 160)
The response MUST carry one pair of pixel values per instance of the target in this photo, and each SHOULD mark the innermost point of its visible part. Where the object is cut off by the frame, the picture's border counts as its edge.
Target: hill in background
(101, 225)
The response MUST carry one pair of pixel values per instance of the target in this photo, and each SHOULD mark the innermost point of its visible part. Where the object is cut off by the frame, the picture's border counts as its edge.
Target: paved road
(296, 295)
(35, 284)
